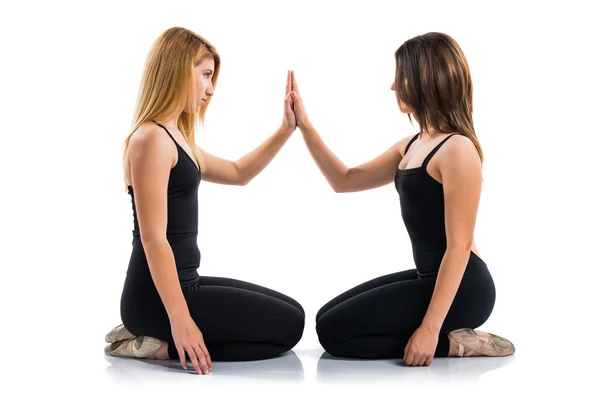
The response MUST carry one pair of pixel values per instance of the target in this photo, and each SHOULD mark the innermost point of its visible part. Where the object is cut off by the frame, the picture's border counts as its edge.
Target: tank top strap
(435, 149)
(169, 133)
(411, 142)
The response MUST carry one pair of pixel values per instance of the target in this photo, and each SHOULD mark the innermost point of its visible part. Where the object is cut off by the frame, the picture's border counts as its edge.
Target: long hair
(167, 83)
(434, 80)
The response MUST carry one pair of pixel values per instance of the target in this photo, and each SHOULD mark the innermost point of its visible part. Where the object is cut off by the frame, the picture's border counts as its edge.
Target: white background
(69, 78)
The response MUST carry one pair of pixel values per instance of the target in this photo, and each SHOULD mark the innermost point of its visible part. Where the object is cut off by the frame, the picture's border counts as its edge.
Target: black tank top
(422, 209)
(182, 220)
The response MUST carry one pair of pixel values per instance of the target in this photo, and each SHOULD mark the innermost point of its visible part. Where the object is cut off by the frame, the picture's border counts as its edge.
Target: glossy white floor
(542, 365)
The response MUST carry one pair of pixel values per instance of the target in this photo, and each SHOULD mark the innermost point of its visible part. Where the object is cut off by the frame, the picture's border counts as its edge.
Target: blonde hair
(167, 83)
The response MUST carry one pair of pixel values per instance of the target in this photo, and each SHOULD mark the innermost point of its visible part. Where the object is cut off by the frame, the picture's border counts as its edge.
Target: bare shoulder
(151, 141)
(150, 145)
(459, 148)
(148, 136)
(459, 155)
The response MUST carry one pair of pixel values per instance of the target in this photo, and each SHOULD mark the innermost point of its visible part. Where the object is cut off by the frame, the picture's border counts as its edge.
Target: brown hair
(434, 80)
(167, 81)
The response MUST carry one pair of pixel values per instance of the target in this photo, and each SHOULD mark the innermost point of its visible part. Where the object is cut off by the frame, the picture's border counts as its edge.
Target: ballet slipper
(140, 347)
(118, 334)
(476, 343)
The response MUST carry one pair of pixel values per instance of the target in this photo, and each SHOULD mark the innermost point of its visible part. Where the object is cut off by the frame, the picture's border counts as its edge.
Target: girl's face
(203, 74)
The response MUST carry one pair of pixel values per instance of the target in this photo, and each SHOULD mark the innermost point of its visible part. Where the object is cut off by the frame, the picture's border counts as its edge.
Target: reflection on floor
(289, 367)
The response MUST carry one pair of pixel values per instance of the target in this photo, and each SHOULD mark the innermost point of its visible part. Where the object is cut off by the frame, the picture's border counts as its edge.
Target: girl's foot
(468, 342)
(139, 347)
(118, 334)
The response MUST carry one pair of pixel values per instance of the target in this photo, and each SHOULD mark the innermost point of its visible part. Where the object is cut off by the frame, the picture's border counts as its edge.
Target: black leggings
(240, 321)
(376, 319)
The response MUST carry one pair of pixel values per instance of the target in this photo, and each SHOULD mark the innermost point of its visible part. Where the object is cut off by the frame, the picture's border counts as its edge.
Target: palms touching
(289, 118)
(299, 110)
